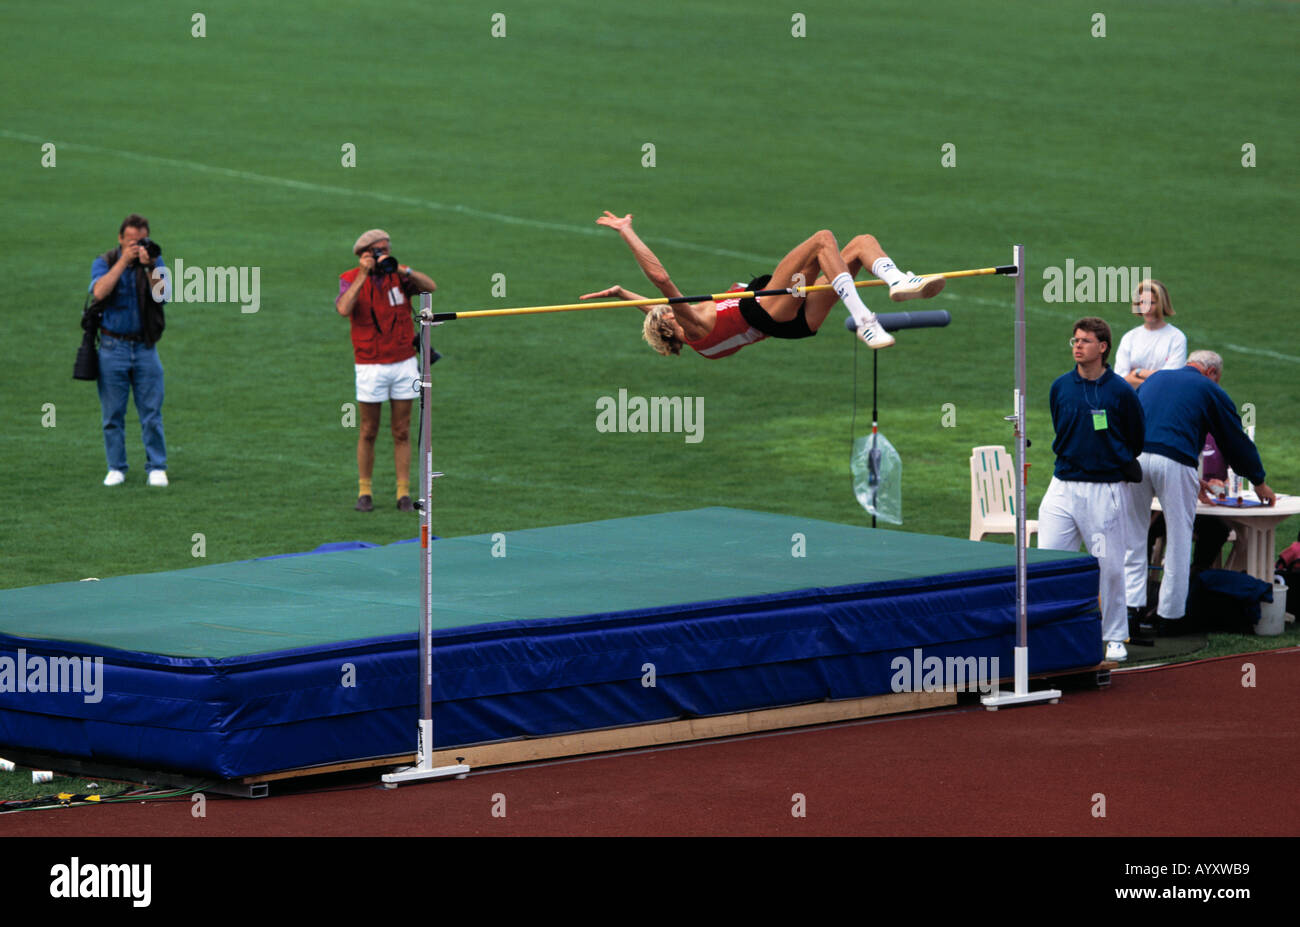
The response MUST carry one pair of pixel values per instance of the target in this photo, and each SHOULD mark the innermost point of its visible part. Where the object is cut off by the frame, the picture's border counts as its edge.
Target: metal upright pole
(1022, 381)
(424, 768)
(1021, 653)
(426, 522)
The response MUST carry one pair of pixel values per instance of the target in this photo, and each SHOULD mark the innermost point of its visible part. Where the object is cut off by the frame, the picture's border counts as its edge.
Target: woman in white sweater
(1157, 345)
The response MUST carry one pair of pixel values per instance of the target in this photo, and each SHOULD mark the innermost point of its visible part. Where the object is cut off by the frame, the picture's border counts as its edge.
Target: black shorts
(757, 316)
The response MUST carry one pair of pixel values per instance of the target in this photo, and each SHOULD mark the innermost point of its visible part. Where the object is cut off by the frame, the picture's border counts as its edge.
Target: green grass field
(489, 155)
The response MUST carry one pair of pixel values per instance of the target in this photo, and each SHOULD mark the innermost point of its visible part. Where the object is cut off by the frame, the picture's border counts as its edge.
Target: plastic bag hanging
(878, 477)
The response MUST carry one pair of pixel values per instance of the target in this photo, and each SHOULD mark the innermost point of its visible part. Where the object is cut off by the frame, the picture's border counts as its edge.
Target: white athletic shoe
(915, 287)
(115, 478)
(1115, 650)
(157, 477)
(874, 334)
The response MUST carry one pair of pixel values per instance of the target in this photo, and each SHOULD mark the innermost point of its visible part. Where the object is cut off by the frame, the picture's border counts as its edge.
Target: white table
(1255, 527)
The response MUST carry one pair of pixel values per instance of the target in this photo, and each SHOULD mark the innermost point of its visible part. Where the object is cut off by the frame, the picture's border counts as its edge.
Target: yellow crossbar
(664, 300)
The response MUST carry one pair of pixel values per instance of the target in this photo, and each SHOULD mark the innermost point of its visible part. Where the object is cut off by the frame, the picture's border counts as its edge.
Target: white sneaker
(157, 477)
(115, 478)
(915, 287)
(874, 334)
(1115, 650)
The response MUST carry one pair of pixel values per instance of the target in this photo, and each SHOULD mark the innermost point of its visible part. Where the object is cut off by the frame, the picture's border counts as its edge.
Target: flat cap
(367, 239)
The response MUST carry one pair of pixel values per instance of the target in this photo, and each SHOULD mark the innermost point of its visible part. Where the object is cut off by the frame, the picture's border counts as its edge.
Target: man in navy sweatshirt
(1099, 433)
(1181, 407)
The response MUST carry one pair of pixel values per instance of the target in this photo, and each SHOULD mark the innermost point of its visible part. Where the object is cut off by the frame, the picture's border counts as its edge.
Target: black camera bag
(86, 366)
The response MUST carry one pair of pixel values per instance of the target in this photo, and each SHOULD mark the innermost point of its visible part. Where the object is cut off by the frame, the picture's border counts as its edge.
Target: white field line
(290, 184)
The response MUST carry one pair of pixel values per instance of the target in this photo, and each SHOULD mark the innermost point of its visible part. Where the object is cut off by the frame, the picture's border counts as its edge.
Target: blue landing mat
(237, 669)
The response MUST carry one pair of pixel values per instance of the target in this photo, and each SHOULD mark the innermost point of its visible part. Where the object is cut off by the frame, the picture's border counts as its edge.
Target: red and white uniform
(730, 332)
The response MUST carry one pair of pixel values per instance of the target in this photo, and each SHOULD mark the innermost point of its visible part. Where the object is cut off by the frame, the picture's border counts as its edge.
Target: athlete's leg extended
(865, 251)
(818, 255)
(862, 251)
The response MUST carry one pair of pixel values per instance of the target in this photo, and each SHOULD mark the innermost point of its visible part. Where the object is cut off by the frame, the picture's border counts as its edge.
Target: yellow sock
(403, 488)
(365, 488)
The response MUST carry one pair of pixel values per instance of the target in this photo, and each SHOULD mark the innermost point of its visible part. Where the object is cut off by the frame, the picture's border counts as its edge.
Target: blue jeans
(124, 365)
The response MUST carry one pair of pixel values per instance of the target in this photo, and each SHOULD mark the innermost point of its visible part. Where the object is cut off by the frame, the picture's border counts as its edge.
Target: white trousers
(1175, 485)
(1093, 515)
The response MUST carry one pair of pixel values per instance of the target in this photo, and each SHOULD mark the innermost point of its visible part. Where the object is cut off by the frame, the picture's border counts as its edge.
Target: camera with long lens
(151, 247)
(384, 263)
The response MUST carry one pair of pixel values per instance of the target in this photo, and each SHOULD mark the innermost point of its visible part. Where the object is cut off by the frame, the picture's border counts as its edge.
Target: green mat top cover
(233, 609)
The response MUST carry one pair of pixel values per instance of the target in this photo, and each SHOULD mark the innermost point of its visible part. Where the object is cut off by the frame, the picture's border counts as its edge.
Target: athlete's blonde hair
(659, 333)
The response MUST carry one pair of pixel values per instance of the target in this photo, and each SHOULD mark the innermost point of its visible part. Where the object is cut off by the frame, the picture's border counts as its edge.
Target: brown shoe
(405, 504)
(365, 504)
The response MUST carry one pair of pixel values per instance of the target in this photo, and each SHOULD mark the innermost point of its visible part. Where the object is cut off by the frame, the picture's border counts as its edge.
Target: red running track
(1179, 751)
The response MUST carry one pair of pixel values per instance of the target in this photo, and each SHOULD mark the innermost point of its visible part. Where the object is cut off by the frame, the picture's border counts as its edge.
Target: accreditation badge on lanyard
(1098, 419)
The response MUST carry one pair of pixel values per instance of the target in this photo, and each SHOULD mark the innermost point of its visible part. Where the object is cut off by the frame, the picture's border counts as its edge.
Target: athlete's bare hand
(614, 221)
(615, 292)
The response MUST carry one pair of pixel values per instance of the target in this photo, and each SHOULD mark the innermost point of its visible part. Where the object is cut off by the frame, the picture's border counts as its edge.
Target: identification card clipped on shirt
(1098, 419)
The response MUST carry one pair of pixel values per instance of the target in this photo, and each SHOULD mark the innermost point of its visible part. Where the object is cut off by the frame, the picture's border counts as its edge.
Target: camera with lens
(384, 263)
(151, 247)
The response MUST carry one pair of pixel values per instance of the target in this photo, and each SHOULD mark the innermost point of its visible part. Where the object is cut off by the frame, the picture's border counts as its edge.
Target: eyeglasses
(1078, 341)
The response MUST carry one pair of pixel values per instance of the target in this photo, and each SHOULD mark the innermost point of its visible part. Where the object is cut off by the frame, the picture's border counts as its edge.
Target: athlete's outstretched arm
(617, 292)
(651, 266)
(695, 319)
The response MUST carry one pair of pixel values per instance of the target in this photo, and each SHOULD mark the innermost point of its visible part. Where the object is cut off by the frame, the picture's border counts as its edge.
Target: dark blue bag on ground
(1225, 600)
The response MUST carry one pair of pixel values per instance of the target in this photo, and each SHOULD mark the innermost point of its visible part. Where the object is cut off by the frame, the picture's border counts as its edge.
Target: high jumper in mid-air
(718, 329)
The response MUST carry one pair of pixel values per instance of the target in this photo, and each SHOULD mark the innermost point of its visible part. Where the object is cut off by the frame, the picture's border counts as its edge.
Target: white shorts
(380, 382)
(1093, 515)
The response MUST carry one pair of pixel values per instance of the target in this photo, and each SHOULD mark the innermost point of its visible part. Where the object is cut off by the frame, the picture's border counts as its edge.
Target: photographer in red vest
(376, 296)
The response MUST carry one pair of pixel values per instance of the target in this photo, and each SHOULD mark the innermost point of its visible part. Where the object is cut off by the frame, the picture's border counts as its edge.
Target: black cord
(875, 421)
(875, 413)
